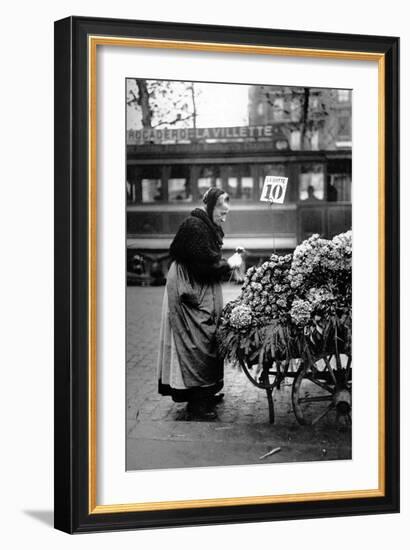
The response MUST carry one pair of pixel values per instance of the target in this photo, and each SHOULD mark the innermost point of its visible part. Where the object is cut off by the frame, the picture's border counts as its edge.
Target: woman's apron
(188, 360)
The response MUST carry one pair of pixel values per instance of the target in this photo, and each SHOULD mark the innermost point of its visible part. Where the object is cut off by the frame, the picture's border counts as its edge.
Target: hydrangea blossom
(241, 317)
(301, 312)
(313, 282)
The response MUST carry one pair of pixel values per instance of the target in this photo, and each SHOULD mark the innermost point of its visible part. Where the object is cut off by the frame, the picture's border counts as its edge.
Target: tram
(166, 181)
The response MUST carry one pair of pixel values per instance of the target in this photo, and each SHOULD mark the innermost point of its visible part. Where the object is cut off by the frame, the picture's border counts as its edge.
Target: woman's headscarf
(210, 199)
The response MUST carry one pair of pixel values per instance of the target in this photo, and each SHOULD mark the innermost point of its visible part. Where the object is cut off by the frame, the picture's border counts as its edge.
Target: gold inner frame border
(93, 42)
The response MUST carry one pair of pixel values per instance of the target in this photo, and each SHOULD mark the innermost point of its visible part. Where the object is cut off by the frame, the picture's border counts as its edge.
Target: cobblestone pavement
(242, 424)
(243, 402)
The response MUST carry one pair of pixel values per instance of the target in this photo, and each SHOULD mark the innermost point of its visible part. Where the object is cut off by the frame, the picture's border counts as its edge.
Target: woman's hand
(235, 260)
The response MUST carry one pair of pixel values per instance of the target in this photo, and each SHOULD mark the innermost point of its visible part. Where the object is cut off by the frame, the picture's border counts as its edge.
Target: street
(159, 435)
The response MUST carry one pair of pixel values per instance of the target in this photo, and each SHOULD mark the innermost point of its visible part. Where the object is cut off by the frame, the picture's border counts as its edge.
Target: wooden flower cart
(322, 382)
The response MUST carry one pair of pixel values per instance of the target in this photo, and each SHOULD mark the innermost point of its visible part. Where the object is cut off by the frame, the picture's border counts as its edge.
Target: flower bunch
(339, 257)
(301, 312)
(317, 258)
(321, 273)
(322, 300)
(240, 317)
(306, 262)
(266, 288)
(306, 294)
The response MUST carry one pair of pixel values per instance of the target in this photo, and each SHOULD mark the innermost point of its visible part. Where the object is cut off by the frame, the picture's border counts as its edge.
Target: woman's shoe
(215, 399)
(200, 411)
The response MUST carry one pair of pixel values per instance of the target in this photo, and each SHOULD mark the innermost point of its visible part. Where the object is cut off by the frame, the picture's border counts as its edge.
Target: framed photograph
(226, 271)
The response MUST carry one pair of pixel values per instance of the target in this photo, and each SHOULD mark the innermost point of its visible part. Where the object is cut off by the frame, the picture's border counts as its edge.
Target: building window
(314, 102)
(278, 109)
(311, 182)
(295, 140)
(295, 110)
(344, 131)
(314, 140)
(343, 96)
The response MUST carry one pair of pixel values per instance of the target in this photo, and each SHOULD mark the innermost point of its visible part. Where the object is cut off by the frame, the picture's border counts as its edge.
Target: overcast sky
(223, 105)
(217, 105)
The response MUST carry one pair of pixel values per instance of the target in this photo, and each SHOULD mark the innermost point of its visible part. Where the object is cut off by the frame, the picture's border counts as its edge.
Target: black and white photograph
(204, 230)
(239, 258)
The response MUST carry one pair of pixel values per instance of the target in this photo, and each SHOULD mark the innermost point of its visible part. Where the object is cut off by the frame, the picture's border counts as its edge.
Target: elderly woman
(189, 368)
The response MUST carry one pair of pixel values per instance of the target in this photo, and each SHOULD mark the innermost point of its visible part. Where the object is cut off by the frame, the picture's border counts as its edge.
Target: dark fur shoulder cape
(197, 245)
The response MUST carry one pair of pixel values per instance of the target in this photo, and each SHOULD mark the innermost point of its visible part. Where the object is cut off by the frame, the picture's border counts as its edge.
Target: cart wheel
(322, 391)
(266, 377)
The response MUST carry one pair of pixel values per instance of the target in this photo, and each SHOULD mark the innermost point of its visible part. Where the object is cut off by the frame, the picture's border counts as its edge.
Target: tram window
(311, 182)
(130, 189)
(276, 169)
(151, 190)
(179, 185)
(233, 186)
(178, 191)
(209, 176)
(240, 182)
(247, 187)
(340, 188)
(151, 183)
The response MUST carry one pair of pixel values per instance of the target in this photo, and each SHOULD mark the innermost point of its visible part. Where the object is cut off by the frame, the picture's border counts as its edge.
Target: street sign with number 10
(274, 189)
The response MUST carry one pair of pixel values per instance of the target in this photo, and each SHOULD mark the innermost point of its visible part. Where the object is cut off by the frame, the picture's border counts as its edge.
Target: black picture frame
(73, 513)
